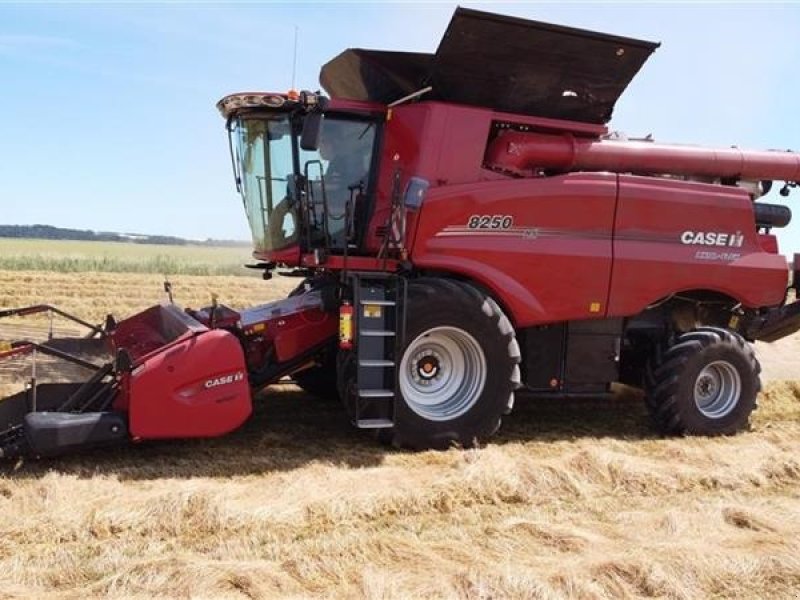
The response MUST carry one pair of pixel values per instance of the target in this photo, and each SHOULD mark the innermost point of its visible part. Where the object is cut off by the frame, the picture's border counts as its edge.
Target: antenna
(294, 58)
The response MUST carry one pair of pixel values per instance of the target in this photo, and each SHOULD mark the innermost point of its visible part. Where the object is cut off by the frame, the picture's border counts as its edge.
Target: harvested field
(92, 295)
(572, 499)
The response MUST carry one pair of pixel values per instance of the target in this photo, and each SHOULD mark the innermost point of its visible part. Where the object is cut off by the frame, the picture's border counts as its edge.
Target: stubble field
(572, 499)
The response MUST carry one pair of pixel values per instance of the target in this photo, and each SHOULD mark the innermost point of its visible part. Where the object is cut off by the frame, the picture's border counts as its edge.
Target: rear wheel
(457, 370)
(705, 383)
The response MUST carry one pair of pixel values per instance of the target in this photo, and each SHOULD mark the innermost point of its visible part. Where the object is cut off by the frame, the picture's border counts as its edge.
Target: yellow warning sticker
(372, 311)
(594, 307)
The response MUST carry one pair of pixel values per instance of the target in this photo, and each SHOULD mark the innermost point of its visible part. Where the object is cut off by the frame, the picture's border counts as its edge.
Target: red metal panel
(552, 264)
(460, 150)
(400, 150)
(438, 142)
(769, 242)
(662, 245)
(294, 325)
(299, 332)
(195, 388)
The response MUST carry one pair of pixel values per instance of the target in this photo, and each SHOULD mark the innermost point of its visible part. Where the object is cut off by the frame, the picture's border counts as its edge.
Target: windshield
(265, 165)
(336, 173)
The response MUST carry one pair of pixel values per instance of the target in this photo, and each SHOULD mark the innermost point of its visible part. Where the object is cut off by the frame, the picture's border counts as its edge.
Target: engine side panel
(672, 236)
(578, 357)
(542, 246)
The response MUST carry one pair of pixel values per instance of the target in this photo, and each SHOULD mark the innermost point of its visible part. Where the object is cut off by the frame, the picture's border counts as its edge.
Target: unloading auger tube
(521, 152)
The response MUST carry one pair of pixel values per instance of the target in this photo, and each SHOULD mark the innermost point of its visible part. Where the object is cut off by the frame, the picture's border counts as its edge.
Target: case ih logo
(224, 380)
(713, 238)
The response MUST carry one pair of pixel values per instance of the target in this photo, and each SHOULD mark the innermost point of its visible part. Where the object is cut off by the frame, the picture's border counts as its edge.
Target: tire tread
(425, 288)
(665, 375)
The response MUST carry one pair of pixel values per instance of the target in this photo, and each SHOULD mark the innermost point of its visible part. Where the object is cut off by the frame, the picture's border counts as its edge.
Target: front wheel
(705, 383)
(457, 370)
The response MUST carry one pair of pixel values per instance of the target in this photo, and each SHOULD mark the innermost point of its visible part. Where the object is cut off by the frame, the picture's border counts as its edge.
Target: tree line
(49, 232)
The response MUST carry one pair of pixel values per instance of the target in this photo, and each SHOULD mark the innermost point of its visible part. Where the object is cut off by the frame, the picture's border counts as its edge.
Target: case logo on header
(224, 380)
(713, 238)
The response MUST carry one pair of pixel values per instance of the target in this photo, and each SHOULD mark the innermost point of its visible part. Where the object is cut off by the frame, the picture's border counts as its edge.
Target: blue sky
(108, 118)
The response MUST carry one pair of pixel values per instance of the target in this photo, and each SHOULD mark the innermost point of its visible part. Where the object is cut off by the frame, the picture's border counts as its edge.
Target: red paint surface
(152, 329)
(553, 265)
(769, 242)
(569, 230)
(521, 151)
(650, 261)
(292, 325)
(172, 393)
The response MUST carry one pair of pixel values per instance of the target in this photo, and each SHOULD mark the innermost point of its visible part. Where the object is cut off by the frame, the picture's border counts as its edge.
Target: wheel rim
(442, 373)
(717, 389)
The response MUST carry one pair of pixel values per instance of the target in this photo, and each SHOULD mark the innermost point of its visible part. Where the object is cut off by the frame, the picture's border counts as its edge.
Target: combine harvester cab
(164, 375)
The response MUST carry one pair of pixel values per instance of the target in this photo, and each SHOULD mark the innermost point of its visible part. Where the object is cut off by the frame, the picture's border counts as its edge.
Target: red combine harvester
(465, 227)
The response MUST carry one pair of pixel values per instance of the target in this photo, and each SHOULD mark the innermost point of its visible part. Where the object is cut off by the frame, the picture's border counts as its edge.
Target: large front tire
(457, 369)
(705, 383)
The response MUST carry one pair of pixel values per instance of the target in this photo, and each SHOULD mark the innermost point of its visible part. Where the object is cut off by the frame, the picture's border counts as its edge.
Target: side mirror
(312, 128)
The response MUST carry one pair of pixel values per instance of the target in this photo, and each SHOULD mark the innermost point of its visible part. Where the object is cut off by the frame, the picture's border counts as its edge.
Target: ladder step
(376, 394)
(374, 423)
(377, 329)
(377, 333)
(376, 363)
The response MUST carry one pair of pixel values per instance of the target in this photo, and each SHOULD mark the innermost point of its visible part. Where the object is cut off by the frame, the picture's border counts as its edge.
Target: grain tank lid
(506, 63)
(374, 75)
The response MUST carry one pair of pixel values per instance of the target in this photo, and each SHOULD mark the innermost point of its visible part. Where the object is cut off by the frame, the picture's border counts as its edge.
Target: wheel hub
(707, 386)
(442, 373)
(427, 367)
(717, 389)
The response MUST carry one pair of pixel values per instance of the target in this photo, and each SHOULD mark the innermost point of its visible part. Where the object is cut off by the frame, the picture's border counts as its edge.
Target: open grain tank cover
(505, 63)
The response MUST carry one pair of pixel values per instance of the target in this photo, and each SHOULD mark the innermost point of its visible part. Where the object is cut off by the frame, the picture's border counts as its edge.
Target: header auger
(469, 227)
